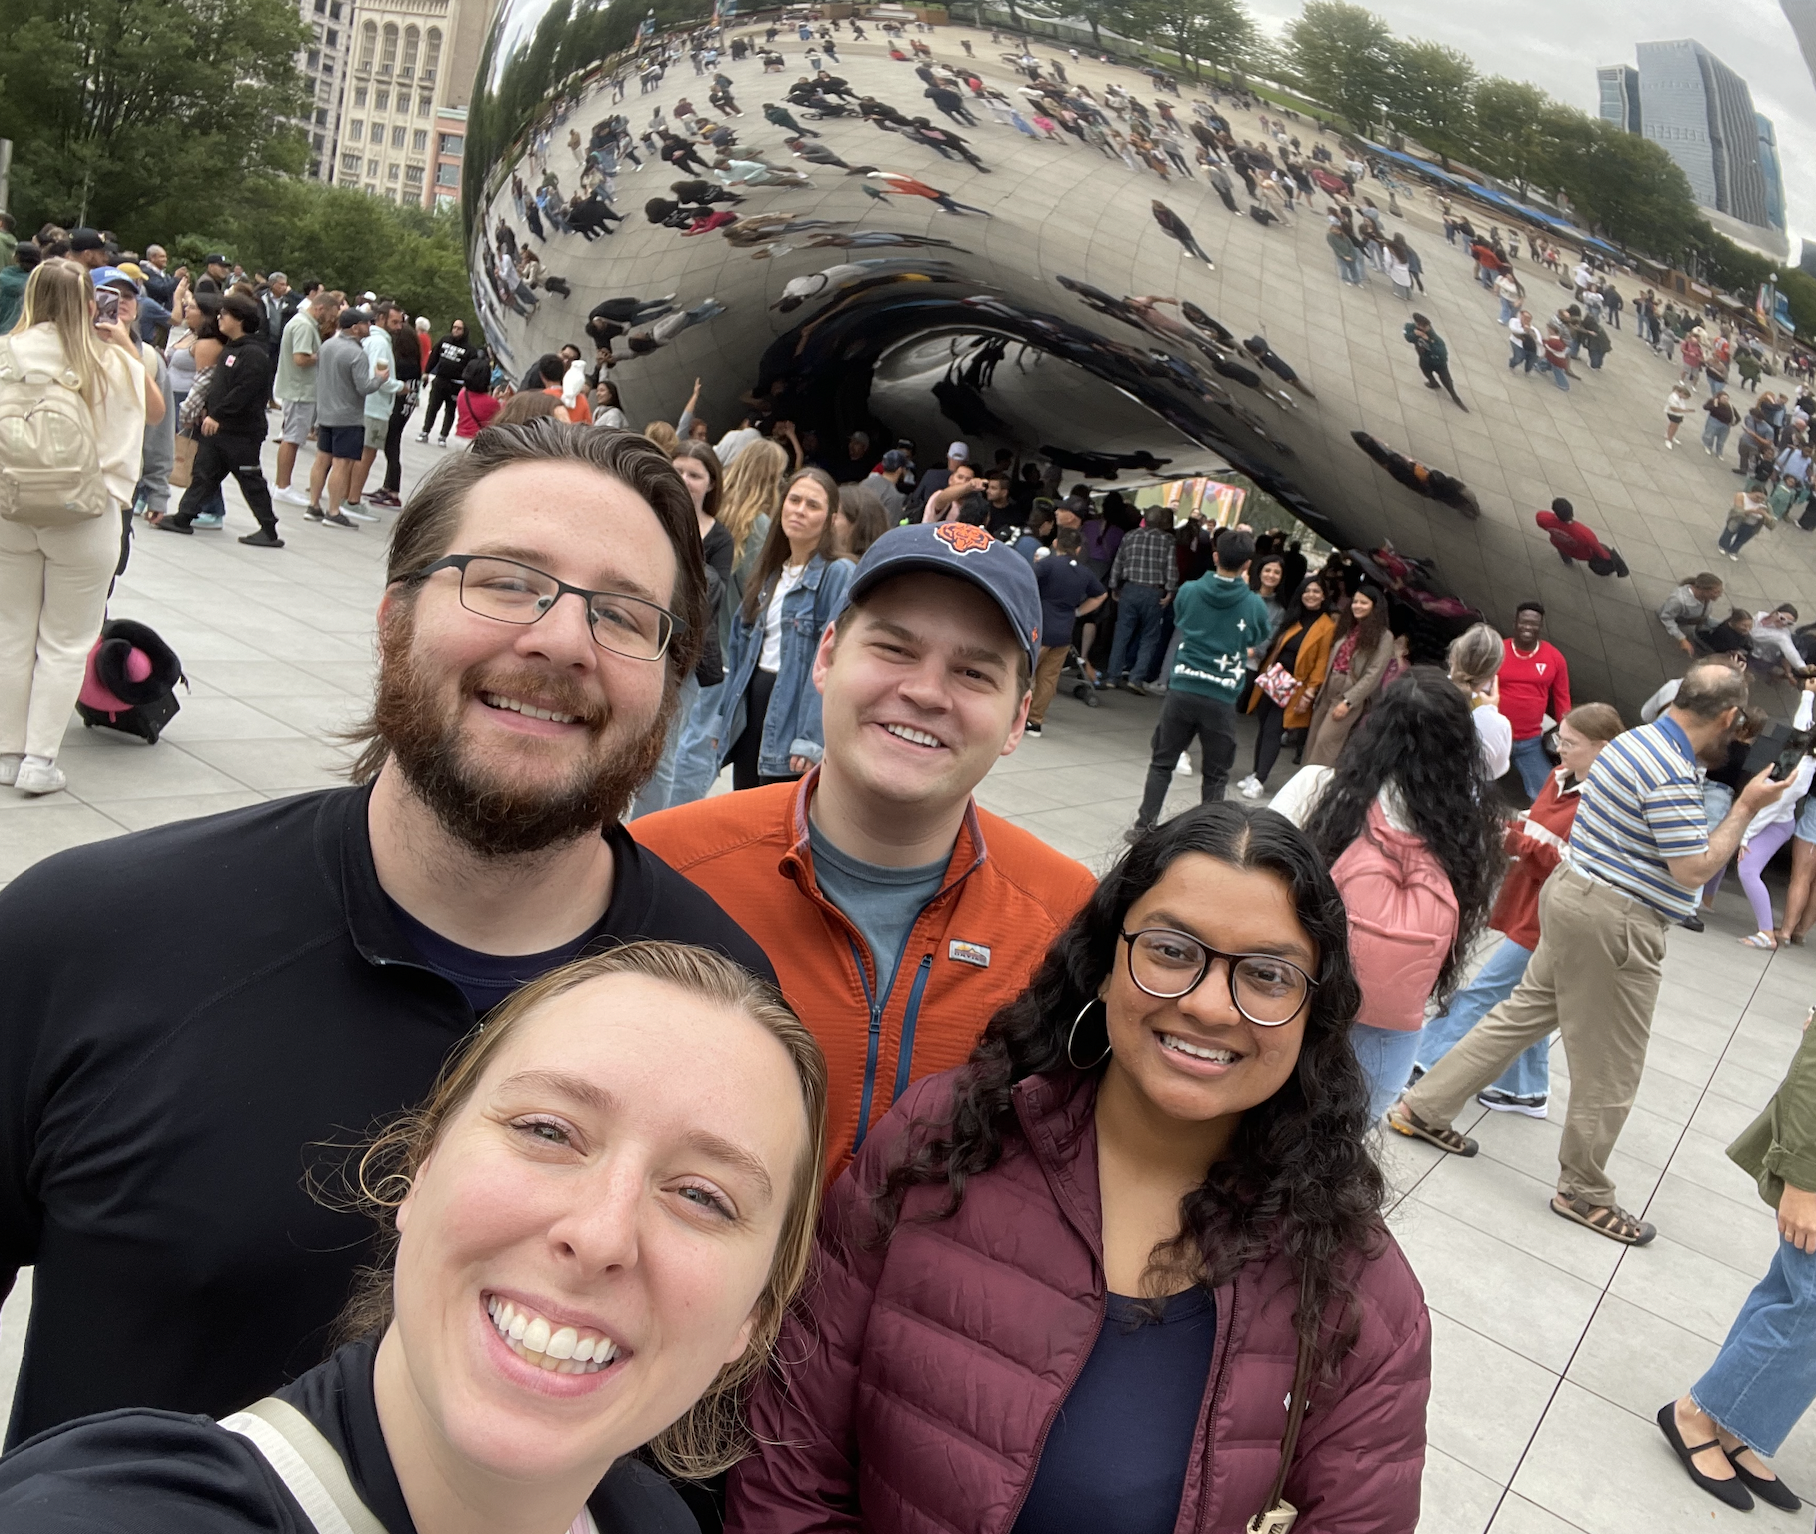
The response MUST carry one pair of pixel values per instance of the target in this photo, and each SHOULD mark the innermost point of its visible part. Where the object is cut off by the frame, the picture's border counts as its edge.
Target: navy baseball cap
(968, 552)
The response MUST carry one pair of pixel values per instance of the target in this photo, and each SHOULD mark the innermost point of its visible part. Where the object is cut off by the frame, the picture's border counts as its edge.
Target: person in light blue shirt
(377, 420)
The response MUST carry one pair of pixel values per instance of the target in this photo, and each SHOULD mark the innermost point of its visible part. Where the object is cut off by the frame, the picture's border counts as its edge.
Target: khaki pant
(1595, 976)
(1046, 681)
(53, 596)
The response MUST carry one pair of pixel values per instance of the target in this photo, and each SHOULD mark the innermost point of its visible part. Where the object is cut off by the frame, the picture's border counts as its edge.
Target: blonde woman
(747, 505)
(1475, 663)
(54, 579)
(587, 1251)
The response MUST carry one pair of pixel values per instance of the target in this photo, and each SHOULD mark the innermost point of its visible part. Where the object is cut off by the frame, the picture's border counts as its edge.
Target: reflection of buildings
(324, 67)
(1701, 113)
(1802, 16)
(1618, 86)
(406, 78)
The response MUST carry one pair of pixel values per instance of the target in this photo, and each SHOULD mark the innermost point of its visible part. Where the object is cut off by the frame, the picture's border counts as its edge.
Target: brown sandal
(1402, 1120)
(1608, 1220)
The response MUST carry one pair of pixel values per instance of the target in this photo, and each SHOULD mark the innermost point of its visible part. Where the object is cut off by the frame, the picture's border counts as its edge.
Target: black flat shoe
(1730, 1492)
(171, 525)
(1773, 1491)
(1692, 923)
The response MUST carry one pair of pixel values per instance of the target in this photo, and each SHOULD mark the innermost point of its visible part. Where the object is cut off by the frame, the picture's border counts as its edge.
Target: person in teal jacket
(1222, 626)
(1764, 1378)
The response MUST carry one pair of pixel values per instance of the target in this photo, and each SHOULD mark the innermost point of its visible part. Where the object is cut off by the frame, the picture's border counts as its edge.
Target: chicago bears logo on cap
(964, 537)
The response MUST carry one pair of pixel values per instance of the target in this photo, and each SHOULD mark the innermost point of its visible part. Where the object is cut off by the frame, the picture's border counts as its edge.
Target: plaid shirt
(1146, 559)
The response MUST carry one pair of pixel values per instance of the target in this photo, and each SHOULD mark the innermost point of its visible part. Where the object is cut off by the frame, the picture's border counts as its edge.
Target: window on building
(413, 174)
(316, 144)
(391, 172)
(334, 37)
(321, 117)
(372, 167)
(316, 31)
(412, 46)
(447, 175)
(391, 193)
(387, 56)
(327, 67)
(397, 138)
(425, 106)
(334, 9)
(350, 163)
(368, 43)
(359, 97)
(419, 141)
(321, 7)
(382, 101)
(315, 59)
(453, 143)
(356, 131)
(431, 59)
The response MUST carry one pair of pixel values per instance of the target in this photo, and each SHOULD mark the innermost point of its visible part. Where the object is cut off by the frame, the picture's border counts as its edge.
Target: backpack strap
(307, 1464)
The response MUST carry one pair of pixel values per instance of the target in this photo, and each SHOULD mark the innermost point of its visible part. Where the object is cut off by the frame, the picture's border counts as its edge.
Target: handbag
(195, 402)
(183, 464)
(1279, 684)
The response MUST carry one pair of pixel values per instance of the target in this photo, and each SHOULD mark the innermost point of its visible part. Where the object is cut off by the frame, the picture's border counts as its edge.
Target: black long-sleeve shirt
(193, 1021)
(241, 388)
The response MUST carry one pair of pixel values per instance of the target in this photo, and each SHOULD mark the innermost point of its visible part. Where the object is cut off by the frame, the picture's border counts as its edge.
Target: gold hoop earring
(1072, 1059)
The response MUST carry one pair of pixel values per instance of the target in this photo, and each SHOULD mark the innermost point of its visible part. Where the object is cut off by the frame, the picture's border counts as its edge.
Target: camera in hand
(1799, 745)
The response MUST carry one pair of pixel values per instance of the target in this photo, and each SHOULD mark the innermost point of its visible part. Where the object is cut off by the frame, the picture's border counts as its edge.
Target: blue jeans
(1558, 377)
(1764, 1378)
(1530, 1074)
(1386, 1056)
(1734, 539)
(1715, 436)
(1508, 309)
(1138, 626)
(697, 757)
(658, 793)
(1532, 764)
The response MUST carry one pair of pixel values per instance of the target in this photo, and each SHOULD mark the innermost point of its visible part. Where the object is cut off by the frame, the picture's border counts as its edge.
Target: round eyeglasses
(1267, 990)
(517, 593)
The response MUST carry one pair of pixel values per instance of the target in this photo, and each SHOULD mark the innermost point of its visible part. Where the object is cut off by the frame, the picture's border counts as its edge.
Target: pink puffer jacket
(921, 1378)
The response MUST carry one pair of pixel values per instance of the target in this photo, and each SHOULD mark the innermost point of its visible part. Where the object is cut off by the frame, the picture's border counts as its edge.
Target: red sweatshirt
(1532, 686)
(1536, 842)
(1570, 539)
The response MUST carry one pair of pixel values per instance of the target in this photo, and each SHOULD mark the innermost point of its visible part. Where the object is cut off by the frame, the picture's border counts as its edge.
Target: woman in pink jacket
(1073, 1284)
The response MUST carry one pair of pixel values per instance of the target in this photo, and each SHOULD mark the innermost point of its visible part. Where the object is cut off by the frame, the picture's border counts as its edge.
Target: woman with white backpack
(1407, 820)
(74, 403)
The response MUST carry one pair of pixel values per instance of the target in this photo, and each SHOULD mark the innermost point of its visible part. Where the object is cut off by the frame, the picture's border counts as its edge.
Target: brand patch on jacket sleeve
(969, 953)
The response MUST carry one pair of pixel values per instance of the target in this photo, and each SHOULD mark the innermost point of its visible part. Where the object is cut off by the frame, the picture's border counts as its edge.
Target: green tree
(1343, 56)
(1218, 32)
(141, 115)
(1621, 184)
(1431, 96)
(1509, 140)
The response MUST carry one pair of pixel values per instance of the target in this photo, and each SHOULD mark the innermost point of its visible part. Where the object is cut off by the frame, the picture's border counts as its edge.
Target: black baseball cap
(351, 317)
(86, 239)
(968, 552)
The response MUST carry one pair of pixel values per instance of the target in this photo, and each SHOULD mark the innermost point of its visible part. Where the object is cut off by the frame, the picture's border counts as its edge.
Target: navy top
(486, 979)
(1064, 584)
(1116, 1455)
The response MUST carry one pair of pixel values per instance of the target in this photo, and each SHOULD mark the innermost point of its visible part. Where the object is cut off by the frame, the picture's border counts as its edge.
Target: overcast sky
(1558, 44)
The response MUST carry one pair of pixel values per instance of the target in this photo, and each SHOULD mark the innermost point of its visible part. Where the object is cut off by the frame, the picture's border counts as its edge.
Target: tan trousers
(1046, 681)
(1595, 976)
(53, 596)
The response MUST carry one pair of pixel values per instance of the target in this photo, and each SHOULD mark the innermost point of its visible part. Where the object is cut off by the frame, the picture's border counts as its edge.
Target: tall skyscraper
(1619, 92)
(1702, 114)
(1771, 170)
(324, 68)
(1802, 16)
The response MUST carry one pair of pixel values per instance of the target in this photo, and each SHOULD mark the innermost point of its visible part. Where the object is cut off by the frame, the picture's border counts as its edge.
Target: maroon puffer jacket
(922, 1378)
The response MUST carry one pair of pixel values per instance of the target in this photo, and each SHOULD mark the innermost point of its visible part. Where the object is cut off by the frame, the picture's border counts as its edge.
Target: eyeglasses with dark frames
(512, 592)
(1264, 988)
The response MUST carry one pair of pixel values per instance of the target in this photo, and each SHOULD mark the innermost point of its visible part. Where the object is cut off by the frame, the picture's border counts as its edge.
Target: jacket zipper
(905, 1057)
(870, 1053)
(1040, 1443)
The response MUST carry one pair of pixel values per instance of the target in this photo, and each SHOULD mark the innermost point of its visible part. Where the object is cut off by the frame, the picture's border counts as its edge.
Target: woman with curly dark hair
(1073, 1283)
(1408, 822)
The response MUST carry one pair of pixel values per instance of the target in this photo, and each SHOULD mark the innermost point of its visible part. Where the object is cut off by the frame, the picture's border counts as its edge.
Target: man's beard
(496, 818)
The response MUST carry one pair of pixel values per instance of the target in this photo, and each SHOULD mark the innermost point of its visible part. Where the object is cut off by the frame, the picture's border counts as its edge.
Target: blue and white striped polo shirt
(1642, 803)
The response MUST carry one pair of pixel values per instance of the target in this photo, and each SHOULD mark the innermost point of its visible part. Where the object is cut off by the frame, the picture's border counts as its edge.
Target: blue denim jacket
(792, 726)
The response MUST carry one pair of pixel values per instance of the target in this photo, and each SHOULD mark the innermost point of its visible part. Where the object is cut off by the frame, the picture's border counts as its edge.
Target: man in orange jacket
(898, 914)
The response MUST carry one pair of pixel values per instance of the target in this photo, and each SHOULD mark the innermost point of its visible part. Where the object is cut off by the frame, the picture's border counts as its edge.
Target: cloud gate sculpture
(823, 251)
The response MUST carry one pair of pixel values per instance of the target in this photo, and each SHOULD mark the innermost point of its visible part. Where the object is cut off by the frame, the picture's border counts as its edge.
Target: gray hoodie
(343, 379)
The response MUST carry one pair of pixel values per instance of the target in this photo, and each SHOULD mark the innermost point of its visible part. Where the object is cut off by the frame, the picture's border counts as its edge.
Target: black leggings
(1270, 720)
(748, 750)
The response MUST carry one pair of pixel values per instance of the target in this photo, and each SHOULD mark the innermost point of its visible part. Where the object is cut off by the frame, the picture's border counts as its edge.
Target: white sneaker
(359, 513)
(33, 780)
(1185, 763)
(1250, 787)
(291, 496)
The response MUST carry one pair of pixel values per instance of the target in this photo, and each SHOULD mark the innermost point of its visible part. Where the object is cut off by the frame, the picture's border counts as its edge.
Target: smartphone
(1801, 743)
(107, 307)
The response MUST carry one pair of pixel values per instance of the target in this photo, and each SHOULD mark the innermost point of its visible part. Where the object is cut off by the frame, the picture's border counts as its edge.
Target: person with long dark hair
(769, 720)
(1301, 646)
(1408, 821)
(1363, 646)
(1074, 1273)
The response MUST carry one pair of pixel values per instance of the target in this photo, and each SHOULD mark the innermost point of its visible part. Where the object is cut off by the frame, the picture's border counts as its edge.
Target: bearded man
(202, 1017)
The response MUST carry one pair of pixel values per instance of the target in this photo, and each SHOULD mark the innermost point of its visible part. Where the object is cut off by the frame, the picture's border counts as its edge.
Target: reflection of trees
(573, 37)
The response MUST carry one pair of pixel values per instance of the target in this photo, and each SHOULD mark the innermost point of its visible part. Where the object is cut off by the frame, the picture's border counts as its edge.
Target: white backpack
(50, 470)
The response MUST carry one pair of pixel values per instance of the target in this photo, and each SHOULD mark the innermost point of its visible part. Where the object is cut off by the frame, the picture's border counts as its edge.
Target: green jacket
(1430, 346)
(1780, 1145)
(1219, 620)
(12, 296)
